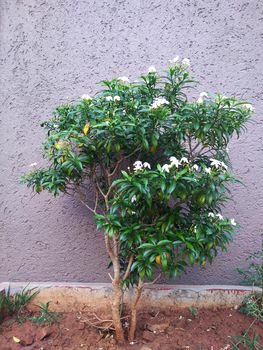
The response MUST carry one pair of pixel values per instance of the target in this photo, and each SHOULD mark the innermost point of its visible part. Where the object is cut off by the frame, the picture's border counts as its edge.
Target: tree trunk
(116, 299)
(115, 309)
(133, 321)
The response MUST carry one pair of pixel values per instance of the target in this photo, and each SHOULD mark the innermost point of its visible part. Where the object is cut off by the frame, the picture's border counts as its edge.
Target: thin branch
(87, 206)
(99, 188)
(116, 167)
(154, 281)
(106, 173)
(190, 146)
(96, 198)
(109, 191)
(81, 194)
(195, 147)
(127, 272)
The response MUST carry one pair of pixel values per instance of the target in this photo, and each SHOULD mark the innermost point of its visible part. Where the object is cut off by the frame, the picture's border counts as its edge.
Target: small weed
(253, 275)
(45, 316)
(20, 319)
(194, 312)
(2, 306)
(252, 306)
(246, 342)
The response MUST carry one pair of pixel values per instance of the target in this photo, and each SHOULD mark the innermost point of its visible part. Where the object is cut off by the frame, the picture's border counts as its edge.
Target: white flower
(196, 167)
(216, 163)
(159, 101)
(146, 165)
(174, 60)
(211, 215)
(249, 107)
(55, 126)
(174, 161)
(232, 221)
(151, 69)
(86, 97)
(186, 62)
(184, 160)
(202, 96)
(223, 165)
(220, 217)
(137, 165)
(33, 165)
(108, 98)
(117, 98)
(166, 168)
(133, 199)
(124, 79)
(162, 130)
(208, 170)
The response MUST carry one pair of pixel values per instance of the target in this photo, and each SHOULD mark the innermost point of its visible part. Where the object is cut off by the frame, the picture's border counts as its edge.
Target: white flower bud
(86, 97)
(151, 69)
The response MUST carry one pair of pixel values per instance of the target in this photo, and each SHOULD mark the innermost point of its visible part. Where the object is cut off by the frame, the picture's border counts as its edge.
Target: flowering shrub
(158, 164)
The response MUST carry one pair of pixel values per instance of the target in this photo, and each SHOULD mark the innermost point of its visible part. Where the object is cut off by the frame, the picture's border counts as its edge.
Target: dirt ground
(170, 330)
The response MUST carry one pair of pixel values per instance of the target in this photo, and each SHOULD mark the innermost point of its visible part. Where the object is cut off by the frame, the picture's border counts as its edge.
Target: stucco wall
(52, 50)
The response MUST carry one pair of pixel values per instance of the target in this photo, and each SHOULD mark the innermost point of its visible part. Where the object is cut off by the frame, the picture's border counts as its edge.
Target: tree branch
(116, 167)
(82, 195)
(109, 247)
(127, 272)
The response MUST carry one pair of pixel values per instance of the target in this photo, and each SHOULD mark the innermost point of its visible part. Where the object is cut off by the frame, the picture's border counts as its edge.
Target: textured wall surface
(53, 50)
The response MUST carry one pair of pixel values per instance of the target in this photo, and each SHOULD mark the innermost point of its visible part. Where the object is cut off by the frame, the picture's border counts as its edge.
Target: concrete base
(66, 297)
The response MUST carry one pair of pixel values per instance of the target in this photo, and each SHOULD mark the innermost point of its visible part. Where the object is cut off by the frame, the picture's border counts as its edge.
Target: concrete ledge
(66, 297)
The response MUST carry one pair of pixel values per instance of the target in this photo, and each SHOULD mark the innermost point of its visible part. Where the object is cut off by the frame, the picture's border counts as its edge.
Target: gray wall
(53, 50)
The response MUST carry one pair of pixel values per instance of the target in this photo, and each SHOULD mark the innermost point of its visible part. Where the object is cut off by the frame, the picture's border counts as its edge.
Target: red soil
(170, 330)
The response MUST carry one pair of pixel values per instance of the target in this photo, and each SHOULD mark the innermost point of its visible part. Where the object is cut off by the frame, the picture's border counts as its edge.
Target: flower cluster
(110, 98)
(174, 162)
(124, 79)
(158, 102)
(220, 217)
(138, 165)
(176, 60)
(249, 107)
(218, 164)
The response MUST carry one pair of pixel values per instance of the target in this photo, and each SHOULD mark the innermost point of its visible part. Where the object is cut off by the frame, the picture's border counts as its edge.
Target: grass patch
(45, 315)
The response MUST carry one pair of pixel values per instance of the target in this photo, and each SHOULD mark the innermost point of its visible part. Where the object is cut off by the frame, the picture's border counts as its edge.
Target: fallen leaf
(16, 340)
